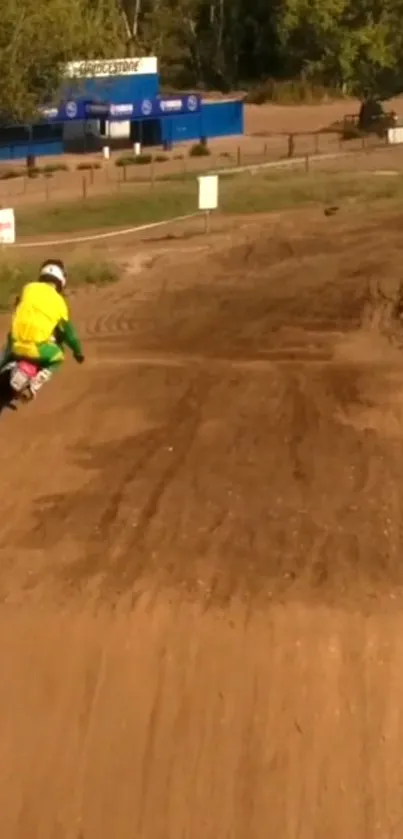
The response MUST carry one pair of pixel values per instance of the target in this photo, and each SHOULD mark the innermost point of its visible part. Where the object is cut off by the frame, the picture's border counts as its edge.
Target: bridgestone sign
(112, 67)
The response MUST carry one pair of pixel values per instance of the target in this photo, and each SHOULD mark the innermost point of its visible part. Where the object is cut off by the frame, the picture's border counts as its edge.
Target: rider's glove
(79, 357)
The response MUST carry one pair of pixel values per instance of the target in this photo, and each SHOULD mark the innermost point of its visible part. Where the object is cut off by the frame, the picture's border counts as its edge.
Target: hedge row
(197, 150)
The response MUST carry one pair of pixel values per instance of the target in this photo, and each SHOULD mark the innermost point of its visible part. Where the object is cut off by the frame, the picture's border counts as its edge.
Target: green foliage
(125, 160)
(88, 166)
(325, 46)
(199, 150)
(344, 46)
(353, 45)
(9, 175)
(51, 168)
(142, 159)
(133, 160)
(37, 39)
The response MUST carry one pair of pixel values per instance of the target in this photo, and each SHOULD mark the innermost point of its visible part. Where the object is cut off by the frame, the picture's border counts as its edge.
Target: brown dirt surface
(201, 547)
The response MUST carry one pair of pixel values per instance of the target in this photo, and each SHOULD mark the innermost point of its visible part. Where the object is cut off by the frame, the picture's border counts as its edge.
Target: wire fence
(89, 176)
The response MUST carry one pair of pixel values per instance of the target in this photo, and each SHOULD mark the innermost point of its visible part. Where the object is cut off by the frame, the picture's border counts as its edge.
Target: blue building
(117, 103)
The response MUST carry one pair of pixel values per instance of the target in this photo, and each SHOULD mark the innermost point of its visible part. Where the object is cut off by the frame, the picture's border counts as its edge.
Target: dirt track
(201, 552)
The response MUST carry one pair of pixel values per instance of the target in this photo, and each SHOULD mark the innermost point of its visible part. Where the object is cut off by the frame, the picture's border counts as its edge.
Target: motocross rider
(41, 324)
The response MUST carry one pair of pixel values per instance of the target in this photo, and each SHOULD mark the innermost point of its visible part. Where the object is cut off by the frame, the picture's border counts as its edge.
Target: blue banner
(166, 105)
(153, 108)
(65, 112)
(143, 109)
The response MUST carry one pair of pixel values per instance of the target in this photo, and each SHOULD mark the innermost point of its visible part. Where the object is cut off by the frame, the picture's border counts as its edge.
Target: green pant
(49, 355)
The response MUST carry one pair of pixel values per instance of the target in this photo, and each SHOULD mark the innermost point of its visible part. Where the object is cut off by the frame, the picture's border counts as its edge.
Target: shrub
(33, 171)
(134, 160)
(142, 159)
(50, 168)
(7, 176)
(161, 158)
(87, 166)
(127, 160)
(199, 150)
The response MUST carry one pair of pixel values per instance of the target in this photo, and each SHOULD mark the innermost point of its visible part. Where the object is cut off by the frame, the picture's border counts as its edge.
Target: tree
(131, 11)
(36, 41)
(355, 45)
(204, 42)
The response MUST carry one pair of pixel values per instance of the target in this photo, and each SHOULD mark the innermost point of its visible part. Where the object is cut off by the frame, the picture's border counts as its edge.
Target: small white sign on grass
(208, 192)
(7, 227)
(208, 197)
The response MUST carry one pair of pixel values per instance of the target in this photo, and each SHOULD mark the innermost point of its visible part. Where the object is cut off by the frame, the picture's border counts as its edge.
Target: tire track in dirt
(127, 557)
(127, 497)
(232, 665)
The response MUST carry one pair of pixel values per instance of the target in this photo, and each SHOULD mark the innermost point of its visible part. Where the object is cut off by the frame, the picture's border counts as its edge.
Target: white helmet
(53, 271)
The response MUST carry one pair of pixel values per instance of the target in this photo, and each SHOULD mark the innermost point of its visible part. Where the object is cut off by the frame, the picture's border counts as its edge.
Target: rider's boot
(43, 376)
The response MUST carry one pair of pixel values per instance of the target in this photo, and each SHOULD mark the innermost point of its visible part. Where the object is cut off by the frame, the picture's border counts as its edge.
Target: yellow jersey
(39, 311)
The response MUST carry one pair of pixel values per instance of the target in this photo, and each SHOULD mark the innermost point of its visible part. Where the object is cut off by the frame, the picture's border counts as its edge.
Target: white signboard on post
(208, 192)
(7, 227)
(395, 135)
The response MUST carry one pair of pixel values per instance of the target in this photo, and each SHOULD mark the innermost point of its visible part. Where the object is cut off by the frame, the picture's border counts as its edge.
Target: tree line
(354, 46)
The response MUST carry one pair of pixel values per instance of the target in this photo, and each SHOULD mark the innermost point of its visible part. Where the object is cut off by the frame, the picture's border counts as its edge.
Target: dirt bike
(19, 380)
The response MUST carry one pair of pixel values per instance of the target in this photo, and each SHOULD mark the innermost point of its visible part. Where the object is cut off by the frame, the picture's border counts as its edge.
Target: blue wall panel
(179, 129)
(216, 119)
(21, 151)
(117, 89)
(222, 119)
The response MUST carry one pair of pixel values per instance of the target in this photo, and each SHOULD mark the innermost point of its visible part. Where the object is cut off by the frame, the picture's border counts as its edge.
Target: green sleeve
(70, 337)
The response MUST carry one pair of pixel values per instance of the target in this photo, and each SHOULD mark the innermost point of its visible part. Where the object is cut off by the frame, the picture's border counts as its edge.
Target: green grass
(280, 191)
(14, 273)
(263, 192)
(103, 212)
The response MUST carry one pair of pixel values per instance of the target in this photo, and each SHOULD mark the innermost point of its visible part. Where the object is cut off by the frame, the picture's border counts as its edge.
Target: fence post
(152, 173)
(84, 188)
(291, 145)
